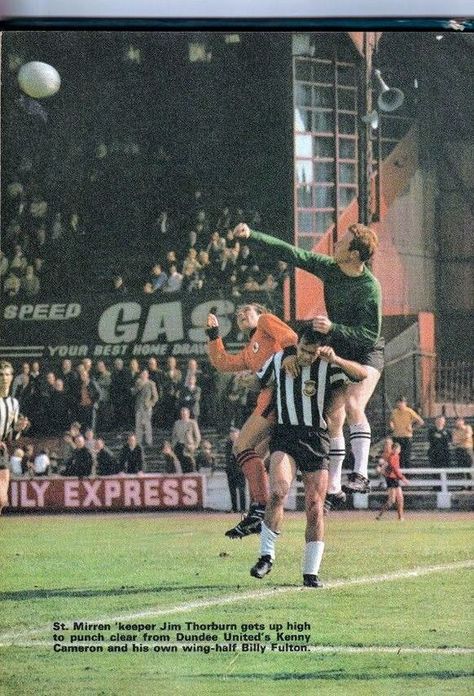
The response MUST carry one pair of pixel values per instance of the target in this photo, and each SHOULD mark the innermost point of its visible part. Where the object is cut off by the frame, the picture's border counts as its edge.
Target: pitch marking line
(9, 638)
(347, 649)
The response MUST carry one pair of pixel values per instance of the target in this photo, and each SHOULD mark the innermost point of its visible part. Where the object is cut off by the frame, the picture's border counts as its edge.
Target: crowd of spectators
(44, 246)
(72, 403)
(207, 256)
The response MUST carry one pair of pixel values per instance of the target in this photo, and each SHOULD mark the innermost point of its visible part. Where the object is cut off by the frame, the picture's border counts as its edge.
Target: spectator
(269, 284)
(246, 263)
(462, 441)
(44, 389)
(131, 456)
(12, 285)
(70, 379)
(185, 439)
(189, 396)
(251, 285)
(26, 396)
(15, 462)
(402, 420)
(282, 273)
(80, 462)
(206, 458)
(18, 380)
(172, 463)
(146, 396)
(235, 476)
(30, 283)
(158, 278)
(57, 230)
(171, 259)
(19, 262)
(41, 463)
(107, 465)
(88, 399)
(215, 248)
(236, 400)
(192, 370)
(59, 408)
(191, 268)
(164, 228)
(439, 439)
(120, 387)
(3, 264)
(27, 463)
(224, 221)
(175, 280)
(171, 385)
(118, 285)
(39, 246)
(103, 380)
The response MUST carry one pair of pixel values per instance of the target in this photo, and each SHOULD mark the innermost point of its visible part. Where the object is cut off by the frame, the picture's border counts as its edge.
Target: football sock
(267, 541)
(313, 555)
(337, 452)
(360, 444)
(256, 475)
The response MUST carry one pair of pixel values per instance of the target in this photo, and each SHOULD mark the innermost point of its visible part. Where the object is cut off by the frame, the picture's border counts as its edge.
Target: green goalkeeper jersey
(353, 304)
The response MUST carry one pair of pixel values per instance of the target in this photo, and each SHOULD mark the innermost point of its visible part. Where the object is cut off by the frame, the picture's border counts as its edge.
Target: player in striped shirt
(300, 440)
(11, 426)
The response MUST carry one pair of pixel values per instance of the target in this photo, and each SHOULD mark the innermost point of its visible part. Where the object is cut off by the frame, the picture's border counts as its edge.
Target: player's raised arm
(318, 264)
(219, 357)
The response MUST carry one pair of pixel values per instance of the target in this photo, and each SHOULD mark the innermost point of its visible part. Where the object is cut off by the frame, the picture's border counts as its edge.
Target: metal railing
(454, 382)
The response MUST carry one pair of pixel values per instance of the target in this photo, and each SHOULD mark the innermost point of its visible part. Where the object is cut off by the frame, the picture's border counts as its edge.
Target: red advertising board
(144, 492)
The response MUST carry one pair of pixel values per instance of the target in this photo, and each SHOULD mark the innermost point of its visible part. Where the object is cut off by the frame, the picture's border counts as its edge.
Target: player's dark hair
(309, 335)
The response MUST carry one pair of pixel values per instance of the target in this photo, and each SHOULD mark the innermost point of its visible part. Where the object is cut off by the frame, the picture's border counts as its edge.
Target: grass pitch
(376, 628)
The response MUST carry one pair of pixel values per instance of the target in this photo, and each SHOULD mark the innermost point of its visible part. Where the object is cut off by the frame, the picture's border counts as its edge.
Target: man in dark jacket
(131, 456)
(80, 462)
(439, 439)
(107, 465)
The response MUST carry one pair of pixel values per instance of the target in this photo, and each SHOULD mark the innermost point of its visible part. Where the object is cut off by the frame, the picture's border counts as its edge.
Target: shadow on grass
(340, 675)
(39, 593)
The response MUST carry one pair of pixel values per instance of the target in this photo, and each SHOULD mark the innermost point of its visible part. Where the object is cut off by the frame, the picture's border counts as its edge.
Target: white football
(39, 80)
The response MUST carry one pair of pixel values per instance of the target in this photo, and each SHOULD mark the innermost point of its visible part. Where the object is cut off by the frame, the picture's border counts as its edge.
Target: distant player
(11, 426)
(300, 440)
(267, 335)
(390, 469)
(353, 302)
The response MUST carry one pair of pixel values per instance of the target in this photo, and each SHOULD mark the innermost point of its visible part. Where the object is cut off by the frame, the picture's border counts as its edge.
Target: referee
(11, 426)
(301, 440)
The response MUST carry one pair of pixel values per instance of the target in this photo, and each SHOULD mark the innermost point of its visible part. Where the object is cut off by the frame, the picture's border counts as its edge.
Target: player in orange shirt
(390, 469)
(268, 335)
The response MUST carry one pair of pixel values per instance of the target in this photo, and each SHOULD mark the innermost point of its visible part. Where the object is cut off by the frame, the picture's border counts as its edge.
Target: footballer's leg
(4, 481)
(282, 473)
(247, 450)
(315, 483)
(357, 398)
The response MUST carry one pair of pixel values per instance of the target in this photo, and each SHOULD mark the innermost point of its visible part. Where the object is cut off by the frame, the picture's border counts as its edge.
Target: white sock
(337, 452)
(313, 555)
(360, 444)
(267, 541)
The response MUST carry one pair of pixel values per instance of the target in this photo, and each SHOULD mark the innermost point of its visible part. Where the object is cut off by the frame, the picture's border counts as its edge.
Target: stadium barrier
(427, 488)
(107, 493)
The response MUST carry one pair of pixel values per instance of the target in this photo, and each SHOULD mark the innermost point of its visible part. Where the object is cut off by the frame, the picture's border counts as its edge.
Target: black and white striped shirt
(302, 400)
(9, 410)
